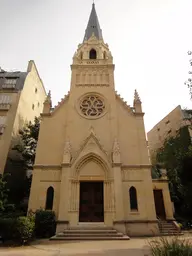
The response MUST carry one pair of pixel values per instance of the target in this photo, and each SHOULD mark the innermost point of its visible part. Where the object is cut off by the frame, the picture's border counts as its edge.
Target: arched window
(92, 54)
(49, 199)
(133, 198)
(81, 55)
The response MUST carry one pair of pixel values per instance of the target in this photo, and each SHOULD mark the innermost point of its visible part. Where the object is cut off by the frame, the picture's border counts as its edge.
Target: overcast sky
(149, 40)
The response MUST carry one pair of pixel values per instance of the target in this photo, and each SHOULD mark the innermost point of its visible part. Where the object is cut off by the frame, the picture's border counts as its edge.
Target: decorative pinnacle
(136, 97)
(48, 98)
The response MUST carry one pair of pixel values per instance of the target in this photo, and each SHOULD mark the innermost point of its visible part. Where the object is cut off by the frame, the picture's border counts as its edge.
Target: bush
(45, 224)
(7, 228)
(170, 247)
(19, 230)
(24, 229)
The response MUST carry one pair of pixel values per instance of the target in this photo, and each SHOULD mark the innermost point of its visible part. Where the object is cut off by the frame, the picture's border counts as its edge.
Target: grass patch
(166, 246)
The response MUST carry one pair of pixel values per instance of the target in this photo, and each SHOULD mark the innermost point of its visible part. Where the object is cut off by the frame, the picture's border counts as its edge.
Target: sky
(149, 41)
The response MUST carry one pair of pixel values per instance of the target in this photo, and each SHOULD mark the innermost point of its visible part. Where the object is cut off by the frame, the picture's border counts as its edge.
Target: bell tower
(92, 62)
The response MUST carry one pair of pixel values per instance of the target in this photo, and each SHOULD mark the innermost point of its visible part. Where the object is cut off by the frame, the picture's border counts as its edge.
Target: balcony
(8, 86)
(5, 106)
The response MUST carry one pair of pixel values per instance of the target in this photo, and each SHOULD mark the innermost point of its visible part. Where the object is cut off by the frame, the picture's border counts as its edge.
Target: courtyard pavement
(133, 247)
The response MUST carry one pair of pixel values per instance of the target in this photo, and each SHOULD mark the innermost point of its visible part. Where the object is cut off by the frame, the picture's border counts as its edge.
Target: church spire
(93, 26)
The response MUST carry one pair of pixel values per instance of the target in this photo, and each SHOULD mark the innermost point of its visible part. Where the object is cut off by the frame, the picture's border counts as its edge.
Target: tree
(4, 205)
(176, 156)
(27, 148)
(18, 182)
(3, 193)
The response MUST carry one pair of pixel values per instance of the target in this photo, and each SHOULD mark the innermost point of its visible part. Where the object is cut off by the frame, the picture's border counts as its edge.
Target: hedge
(45, 224)
(18, 230)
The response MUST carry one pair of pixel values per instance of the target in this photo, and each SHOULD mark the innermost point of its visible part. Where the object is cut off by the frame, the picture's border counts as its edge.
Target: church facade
(92, 163)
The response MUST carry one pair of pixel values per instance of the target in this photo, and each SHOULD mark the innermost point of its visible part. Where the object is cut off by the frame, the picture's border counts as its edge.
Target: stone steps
(89, 238)
(168, 228)
(90, 233)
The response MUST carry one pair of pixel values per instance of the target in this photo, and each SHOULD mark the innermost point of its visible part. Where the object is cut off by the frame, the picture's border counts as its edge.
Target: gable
(91, 145)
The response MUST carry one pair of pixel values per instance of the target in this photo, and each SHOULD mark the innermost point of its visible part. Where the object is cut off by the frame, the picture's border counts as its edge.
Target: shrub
(19, 230)
(24, 229)
(45, 224)
(170, 247)
(7, 228)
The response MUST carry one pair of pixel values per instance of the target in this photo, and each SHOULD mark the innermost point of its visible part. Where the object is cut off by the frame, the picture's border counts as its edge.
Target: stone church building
(92, 165)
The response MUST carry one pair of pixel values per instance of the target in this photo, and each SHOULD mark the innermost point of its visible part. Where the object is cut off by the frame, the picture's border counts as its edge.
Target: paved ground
(133, 247)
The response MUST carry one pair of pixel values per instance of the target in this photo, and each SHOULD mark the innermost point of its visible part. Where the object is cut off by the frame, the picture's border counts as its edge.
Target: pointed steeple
(93, 26)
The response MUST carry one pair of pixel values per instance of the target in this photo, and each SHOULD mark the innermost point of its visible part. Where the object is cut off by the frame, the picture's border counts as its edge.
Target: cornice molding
(139, 166)
(43, 166)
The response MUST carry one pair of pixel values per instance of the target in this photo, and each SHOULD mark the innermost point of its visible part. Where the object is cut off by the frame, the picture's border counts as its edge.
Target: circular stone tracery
(92, 106)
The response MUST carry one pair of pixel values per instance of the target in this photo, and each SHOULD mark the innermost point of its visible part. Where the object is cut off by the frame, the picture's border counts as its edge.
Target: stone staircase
(90, 233)
(168, 228)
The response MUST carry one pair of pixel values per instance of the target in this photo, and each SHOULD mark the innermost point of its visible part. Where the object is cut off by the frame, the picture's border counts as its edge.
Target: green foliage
(27, 148)
(7, 228)
(24, 156)
(24, 229)
(176, 156)
(18, 230)
(4, 205)
(3, 193)
(45, 224)
(165, 246)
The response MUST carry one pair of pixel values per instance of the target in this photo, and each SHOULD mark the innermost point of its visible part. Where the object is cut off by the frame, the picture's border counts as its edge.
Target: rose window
(92, 106)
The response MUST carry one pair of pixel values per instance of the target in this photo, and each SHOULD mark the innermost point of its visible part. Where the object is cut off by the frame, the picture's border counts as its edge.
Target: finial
(136, 97)
(48, 98)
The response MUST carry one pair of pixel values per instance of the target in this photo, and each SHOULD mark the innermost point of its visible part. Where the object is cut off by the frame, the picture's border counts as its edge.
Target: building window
(2, 123)
(5, 98)
(3, 120)
(104, 56)
(33, 106)
(92, 54)
(92, 106)
(158, 129)
(38, 104)
(169, 131)
(133, 199)
(35, 90)
(167, 122)
(9, 83)
(49, 198)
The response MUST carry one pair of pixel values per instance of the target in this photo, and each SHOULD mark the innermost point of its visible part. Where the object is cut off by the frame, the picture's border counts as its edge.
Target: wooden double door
(91, 203)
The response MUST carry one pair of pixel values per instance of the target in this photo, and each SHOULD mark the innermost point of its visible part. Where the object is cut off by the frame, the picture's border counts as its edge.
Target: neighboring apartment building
(167, 127)
(22, 95)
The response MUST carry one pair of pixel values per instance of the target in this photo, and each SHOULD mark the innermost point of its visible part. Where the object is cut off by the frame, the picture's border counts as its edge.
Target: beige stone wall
(167, 127)
(41, 182)
(164, 186)
(140, 178)
(21, 111)
(31, 99)
(5, 137)
(111, 148)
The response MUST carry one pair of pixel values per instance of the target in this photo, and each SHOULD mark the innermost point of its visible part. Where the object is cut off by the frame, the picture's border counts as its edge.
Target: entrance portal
(159, 203)
(91, 202)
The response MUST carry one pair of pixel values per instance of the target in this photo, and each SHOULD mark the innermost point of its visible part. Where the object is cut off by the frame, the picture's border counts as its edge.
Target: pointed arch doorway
(91, 203)
(91, 176)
